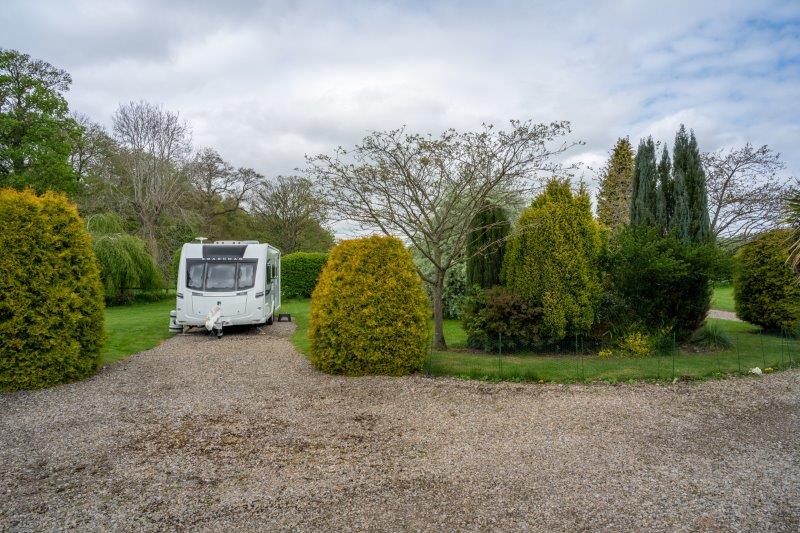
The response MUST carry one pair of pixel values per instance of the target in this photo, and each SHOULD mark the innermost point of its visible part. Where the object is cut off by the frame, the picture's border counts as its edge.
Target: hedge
(369, 313)
(300, 272)
(51, 310)
(765, 287)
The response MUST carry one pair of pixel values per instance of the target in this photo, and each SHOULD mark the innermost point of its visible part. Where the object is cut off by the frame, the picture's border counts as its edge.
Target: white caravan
(227, 283)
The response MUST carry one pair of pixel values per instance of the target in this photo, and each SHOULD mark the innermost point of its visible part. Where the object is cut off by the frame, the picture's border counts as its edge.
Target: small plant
(636, 344)
(711, 337)
(497, 317)
(605, 353)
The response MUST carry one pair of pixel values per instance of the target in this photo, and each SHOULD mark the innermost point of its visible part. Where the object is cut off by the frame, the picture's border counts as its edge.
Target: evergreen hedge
(765, 287)
(369, 313)
(552, 261)
(51, 309)
(300, 272)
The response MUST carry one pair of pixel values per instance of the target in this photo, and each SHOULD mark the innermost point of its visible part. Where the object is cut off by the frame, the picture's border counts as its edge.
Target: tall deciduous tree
(486, 245)
(36, 131)
(219, 188)
(292, 215)
(614, 198)
(428, 189)
(745, 192)
(155, 150)
(643, 206)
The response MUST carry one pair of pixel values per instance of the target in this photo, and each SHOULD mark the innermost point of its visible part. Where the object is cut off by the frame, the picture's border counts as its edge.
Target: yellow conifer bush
(51, 298)
(369, 312)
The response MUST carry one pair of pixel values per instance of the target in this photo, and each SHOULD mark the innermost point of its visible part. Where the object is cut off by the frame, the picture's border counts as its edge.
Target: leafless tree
(293, 214)
(745, 193)
(90, 149)
(155, 146)
(427, 189)
(220, 187)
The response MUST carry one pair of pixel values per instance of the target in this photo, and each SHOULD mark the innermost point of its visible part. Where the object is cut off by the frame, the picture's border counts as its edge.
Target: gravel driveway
(242, 433)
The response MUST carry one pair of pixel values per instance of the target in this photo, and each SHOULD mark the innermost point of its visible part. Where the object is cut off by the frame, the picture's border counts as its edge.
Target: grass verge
(722, 298)
(750, 349)
(135, 328)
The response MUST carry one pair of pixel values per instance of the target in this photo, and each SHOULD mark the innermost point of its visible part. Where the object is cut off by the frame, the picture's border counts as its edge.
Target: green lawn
(752, 350)
(135, 328)
(723, 297)
(141, 326)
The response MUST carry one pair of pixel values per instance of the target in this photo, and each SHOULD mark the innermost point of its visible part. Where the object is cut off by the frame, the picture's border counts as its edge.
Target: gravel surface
(724, 315)
(243, 434)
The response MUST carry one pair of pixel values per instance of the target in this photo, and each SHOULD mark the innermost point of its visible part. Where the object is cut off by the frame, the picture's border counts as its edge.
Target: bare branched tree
(745, 193)
(155, 148)
(293, 214)
(220, 188)
(427, 189)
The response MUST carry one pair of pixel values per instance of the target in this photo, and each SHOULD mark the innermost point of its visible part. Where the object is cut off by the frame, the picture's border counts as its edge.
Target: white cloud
(266, 83)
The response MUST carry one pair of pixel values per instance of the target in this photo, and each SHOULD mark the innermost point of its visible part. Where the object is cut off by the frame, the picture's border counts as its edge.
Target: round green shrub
(369, 313)
(51, 309)
(552, 260)
(658, 282)
(300, 272)
(765, 287)
(496, 319)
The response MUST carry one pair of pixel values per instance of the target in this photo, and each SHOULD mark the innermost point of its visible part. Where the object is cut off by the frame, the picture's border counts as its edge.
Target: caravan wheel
(270, 320)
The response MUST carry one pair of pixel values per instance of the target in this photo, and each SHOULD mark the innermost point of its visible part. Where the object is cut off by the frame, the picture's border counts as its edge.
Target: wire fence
(746, 353)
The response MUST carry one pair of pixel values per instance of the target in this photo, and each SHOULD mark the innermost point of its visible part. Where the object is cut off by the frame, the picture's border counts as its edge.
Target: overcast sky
(267, 82)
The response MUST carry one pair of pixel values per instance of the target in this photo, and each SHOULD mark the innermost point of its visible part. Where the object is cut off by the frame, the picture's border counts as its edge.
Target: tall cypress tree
(698, 199)
(486, 246)
(644, 199)
(613, 200)
(692, 221)
(664, 193)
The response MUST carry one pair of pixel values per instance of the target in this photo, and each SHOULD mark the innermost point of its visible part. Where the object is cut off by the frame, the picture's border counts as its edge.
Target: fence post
(499, 355)
(738, 354)
(674, 349)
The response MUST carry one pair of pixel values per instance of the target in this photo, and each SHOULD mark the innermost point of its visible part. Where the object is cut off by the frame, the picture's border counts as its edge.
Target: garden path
(243, 433)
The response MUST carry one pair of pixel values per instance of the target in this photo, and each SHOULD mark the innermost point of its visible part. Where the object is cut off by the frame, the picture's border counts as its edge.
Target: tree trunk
(438, 312)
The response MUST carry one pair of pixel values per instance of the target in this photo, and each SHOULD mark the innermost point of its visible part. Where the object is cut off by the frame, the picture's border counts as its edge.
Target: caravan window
(221, 277)
(247, 276)
(194, 274)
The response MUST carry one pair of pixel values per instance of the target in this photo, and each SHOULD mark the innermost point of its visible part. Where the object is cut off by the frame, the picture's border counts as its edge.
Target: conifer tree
(681, 219)
(643, 191)
(664, 194)
(614, 198)
(693, 224)
(486, 245)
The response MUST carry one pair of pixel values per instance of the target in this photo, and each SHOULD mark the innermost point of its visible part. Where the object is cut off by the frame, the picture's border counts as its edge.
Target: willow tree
(124, 261)
(428, 188)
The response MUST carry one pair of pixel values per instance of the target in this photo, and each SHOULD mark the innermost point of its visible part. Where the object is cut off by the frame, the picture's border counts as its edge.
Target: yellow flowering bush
(636, 344)
(369, 312)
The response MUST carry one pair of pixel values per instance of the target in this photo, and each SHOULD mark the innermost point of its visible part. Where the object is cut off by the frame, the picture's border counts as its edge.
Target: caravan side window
(194, 274)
